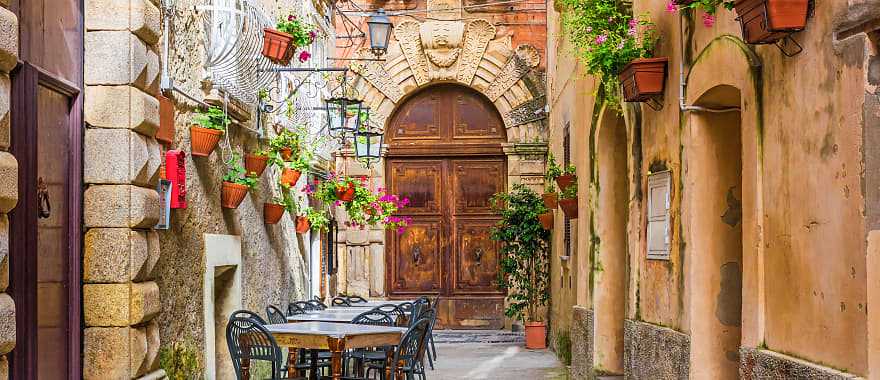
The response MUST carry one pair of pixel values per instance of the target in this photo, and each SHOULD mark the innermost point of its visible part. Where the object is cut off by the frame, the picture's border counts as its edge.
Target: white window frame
(660, 181)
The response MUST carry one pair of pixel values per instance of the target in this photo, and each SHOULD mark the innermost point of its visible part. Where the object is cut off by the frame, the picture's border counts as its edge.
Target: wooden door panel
(474, 118)
(476, 258)
(421, 181)
(418, 120)
(417, 266)
(474, 182)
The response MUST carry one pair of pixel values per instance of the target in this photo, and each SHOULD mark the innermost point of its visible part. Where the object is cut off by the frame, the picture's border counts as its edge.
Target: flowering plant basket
(364, 207)
(280, 44)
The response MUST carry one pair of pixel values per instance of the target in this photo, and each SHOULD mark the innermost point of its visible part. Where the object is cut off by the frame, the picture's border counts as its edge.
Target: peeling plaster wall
(806, 170)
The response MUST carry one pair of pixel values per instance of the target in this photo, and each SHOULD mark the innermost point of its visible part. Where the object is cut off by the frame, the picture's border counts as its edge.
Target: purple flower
(632, 31)
(304, 56)
(400, 230)
(671, 7)
(312, 34)
(600, 39)
(633, 23)
(338, 203)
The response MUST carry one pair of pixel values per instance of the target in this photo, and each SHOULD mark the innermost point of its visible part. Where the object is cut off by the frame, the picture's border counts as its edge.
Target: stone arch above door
(465, 53)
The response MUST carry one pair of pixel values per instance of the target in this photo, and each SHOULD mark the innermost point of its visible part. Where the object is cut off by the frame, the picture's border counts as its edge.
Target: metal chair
(247, 314)
(374, 317)
(276, 316)
(356, 299)
(391, 309)
(339, 301)
(294, 309)
(316, 305)
(305, 305)
(408, 354)
(431, 334)
(249, 342)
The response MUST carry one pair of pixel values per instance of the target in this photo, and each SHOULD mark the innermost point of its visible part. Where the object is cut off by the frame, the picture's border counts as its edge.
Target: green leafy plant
(287, 138)
(303, 33)
(563, 347)
(366, 208)
(607, 37)
(570, 170)
(237, 174)
(180, 361)
(710, 7)
(570, 192)
(317, 218)
(212, 118)
(523, 253)
(553, 169)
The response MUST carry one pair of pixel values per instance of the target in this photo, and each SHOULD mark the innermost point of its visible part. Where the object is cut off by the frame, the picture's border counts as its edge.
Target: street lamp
(368, 144)
(380, 31)
(343, 116)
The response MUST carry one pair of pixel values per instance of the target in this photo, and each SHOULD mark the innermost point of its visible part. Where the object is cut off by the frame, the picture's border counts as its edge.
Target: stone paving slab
(478, 336)
(496, 361)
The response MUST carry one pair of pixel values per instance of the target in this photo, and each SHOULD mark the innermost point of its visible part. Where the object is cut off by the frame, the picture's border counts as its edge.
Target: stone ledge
(145, 303)
(654, 352)
(764, 364)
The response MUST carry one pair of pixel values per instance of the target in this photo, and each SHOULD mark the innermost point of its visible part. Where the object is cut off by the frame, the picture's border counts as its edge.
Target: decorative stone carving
(375, 73)
(407, 34)
(448, 10)
(524, 60)
(442, 41)
(477, 36)
(531, 110)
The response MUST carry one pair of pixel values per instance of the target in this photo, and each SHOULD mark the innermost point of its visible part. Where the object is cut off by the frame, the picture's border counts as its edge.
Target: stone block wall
(655, 352)
(8, 180)
(121, 167)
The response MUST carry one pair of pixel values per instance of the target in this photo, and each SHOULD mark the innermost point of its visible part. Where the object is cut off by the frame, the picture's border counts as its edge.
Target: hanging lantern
(343, 116)
(379, 26)
(368, 144)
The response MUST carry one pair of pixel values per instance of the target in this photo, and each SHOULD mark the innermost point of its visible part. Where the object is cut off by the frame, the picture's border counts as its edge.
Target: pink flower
(671, 7)
(304, 56)
(400, 230)
(708, 20)
(338, 203)
(312, 34)
(290, 18)
(633, 23)
(600, 39)
(620, 45)
(632, 31)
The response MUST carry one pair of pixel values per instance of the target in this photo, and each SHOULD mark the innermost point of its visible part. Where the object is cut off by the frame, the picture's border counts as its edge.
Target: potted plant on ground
(255, 163)
(236, 183)
(280, 44)
(568, 201)
(524, 266)
(207, 130)
(615, 47)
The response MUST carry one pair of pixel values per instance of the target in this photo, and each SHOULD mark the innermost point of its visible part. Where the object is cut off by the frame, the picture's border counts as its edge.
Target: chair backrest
(423, 299)
(339, 301)
(391, 309)
(373, 317)
(248, 341)
(356, 299)
(411, 345)
(305, 305)
(406, 307)
(317, 305)
(247, 314)
(275, 315)
(294, 309)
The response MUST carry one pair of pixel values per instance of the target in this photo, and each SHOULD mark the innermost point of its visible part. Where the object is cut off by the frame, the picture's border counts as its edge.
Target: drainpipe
(682, 81)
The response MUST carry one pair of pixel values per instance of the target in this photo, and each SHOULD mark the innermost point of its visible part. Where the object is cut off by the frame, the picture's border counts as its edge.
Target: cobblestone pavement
(467, 356)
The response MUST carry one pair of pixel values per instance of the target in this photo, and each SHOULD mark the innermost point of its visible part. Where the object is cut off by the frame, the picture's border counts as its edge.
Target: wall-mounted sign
(164, 189)
(175, 171)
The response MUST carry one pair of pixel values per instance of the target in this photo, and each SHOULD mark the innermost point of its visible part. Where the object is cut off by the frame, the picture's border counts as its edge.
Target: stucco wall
(8, 180)
(804, 285)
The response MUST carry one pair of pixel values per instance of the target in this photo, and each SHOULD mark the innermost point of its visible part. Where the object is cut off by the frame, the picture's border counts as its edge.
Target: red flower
(304, 56)
(290, 18)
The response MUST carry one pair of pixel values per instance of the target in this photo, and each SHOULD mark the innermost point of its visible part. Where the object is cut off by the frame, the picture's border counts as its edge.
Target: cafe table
(331, 317)
(336, 337)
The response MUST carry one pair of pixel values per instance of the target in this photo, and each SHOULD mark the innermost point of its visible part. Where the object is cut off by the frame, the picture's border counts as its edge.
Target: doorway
(445, 156)
(715, 187)
(45, 273)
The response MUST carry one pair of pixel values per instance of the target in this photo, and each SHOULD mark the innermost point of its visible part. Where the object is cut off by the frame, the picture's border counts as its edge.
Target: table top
(334, 317)
(336, 330)
(374, 303)
(334, 336)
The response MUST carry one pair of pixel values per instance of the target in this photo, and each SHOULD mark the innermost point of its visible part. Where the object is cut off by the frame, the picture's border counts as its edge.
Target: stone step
(478, 336)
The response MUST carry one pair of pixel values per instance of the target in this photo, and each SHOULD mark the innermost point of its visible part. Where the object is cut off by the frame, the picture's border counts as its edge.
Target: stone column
(8, 180)
(121, 162)
(525, 164)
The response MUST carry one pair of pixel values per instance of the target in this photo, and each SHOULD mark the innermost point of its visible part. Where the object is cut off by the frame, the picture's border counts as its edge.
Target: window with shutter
(566, 160)
(659, 232)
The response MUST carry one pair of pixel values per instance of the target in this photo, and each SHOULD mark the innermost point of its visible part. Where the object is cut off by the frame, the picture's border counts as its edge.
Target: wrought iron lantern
(368, 144)
(344, 116)
(380, 31)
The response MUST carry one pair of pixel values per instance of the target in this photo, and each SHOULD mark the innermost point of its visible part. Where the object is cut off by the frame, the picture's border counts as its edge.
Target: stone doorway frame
(222, 254)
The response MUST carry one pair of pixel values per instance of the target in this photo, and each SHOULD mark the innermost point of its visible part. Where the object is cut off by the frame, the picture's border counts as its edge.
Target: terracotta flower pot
(536, 335)
(285, 153)
(569, 207)
(289, 177)
(546, 220)
(203, 140)
(768, 21)
(277, 46)
(272, 212)
(550, 200)
(255, 164)
(643, 79)
(564, 181)
(302, 224)
(232, 194)
(345, 194)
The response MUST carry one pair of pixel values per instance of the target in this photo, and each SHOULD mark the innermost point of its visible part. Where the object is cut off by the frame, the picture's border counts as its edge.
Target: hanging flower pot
(345, 194)
(546, 220)
(203, 140)
(277, 46)
(232, 194)
(285, 153)
(302, 224)
(565, 180)
(550, 200)
(768, 21)
(643, 78)
(569, 207)
(255, 164)
(272, 212)
(289, 177)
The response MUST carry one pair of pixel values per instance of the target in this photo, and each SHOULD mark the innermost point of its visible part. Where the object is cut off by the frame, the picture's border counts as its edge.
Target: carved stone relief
(375, 73)
(441, 41)
(407, 34)
(477, 36)
(520, 63)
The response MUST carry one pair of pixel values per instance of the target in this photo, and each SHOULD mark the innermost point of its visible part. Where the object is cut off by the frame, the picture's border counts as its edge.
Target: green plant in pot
(568, 201)
(311, 218)
(256, 161)
(274, 210)
(567, 178)
(236, 183)
(285, 143)
(205, 133)
(553, 171)
(524, 260)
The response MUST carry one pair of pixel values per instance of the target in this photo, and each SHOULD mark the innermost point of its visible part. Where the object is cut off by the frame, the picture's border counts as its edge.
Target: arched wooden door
(445, 155)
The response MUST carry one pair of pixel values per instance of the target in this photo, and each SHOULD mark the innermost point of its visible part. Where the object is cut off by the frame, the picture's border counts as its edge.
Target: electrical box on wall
(175, 171)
